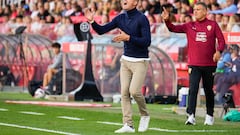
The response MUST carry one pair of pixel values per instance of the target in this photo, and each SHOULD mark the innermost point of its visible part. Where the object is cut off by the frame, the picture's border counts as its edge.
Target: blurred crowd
(57, 14)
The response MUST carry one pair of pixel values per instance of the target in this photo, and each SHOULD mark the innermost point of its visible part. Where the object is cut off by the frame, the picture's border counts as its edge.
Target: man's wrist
(128, 38)
(220, 52)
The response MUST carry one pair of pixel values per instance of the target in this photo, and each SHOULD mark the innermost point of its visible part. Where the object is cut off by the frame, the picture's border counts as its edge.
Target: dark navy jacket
(135, 24)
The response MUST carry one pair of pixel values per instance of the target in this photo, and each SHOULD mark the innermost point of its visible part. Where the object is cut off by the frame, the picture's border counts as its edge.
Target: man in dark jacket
(135, 33)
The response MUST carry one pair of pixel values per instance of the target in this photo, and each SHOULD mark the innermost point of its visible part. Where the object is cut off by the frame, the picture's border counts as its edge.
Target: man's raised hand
(122, 36)
(165, 14)
(89, 14)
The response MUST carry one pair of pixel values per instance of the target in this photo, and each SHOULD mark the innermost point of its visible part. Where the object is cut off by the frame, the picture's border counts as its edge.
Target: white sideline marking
(32, 113)
(167, 130)
(37, 129)
(189, 131)
(167, 109)
(70, 118)
(3, 109)
(110, 123)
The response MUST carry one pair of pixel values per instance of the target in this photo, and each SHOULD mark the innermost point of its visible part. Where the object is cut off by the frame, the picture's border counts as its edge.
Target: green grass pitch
(90, 121)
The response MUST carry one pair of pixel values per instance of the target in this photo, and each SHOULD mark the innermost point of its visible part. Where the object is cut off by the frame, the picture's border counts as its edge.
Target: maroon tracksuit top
(201, 37)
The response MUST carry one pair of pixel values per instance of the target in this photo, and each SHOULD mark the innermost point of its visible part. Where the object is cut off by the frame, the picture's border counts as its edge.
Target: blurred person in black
(229, 78)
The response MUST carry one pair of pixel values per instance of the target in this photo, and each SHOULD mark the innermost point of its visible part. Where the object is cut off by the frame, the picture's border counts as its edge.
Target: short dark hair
(202, 4)
(234, 47)
(56, 45)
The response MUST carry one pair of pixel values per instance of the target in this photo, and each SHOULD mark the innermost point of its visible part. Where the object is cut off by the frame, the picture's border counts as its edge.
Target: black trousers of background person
(195, 75)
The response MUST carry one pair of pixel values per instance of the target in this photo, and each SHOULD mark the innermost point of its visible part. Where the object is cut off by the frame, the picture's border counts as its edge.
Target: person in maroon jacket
(203, 53)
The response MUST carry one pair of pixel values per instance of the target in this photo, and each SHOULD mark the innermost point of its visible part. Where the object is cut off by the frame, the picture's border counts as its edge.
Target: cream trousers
(132, 76)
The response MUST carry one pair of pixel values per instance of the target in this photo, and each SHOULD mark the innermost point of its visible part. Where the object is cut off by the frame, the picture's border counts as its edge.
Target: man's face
(199, 12)
(128, 4)
(55, 50)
